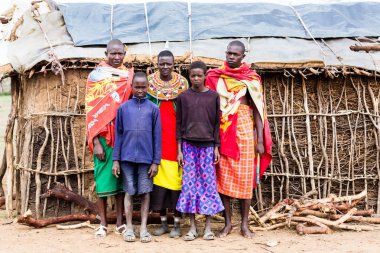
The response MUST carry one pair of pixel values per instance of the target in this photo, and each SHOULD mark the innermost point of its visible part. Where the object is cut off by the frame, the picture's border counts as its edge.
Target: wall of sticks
(326, 135)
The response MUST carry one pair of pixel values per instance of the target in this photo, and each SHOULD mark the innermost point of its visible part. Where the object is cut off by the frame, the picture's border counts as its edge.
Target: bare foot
(225, 231)
(246, 232)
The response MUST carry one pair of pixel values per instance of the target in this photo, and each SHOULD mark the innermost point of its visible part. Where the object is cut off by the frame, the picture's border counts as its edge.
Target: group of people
(180, 147)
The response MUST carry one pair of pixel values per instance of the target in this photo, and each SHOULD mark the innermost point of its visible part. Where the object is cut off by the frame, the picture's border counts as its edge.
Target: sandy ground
(19, 238)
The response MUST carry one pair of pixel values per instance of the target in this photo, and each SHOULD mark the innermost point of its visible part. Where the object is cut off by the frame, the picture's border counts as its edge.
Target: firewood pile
(317, 216)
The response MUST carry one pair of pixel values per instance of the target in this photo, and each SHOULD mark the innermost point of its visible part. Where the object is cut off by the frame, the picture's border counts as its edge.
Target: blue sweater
(138, 132)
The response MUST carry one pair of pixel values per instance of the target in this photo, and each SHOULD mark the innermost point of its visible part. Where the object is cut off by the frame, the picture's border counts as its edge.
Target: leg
(164, 224)
(120, 227)
(244, 208)
(208, 234)
(129, 235)
(192, 234)
(102, 206)
(144, 235)
(227, 216)
(101, 231)
(176, 231)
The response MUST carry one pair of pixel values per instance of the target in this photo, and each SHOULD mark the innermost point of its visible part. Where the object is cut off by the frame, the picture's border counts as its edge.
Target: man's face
(165, 65)
(234, 56)
(140, 87)
(115, 55)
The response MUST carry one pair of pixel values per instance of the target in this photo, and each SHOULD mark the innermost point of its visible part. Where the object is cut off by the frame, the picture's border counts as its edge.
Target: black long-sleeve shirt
(198, 117)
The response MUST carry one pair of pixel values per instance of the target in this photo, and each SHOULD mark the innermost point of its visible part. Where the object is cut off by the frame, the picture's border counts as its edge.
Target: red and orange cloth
(232, 85)
(107, 88)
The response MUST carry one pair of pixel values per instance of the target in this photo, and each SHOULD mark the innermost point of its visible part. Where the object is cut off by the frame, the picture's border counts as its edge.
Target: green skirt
(106, 183)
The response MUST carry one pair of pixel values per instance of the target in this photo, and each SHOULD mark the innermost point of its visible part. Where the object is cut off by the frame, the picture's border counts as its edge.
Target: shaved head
(237, 43)
(114, 42)
(115, 53)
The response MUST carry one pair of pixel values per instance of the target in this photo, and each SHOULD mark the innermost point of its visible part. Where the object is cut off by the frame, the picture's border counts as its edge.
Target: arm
(116, 156)
(217, 132)
(178, 131)
(99, 149)
(157, 132)
(259, 130)
(117, 145)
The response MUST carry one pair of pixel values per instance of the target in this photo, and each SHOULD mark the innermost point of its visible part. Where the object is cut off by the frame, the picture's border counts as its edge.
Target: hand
(99, 151)
(260, 148)
(153, 170)
(116, 169)
(180, 159)
(216, 155)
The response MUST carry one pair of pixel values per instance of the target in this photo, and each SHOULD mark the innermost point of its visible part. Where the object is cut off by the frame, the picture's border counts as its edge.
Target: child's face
(197, 77)
(140, 87)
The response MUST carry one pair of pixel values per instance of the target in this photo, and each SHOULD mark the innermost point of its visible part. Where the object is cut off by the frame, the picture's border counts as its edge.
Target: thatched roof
(276, 36)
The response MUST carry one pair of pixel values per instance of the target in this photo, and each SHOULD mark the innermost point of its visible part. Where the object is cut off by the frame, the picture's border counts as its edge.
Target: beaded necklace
(166, 90)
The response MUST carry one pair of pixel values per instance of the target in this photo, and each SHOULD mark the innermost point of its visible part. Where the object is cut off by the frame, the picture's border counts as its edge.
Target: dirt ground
(17, 238)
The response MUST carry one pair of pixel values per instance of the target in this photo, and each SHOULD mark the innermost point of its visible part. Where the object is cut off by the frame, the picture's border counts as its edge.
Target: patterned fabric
(162, 90)
(199, 194)
(107, 88)
(235, 178)
(232, 85)
(163, 94)
(106, 183)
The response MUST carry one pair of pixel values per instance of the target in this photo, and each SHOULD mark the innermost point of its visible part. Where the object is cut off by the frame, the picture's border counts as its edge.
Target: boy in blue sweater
(137, 152)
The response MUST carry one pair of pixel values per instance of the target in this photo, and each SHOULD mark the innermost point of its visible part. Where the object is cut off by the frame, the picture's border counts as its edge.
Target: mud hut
(319, 65)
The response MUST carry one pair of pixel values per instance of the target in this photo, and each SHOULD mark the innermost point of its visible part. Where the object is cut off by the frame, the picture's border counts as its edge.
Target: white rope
(308, 31)
(111, 21)
(147, 29)
(335, 54)
(190, 29)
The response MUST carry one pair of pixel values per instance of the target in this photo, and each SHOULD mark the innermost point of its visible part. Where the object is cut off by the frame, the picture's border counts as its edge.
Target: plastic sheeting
(31, 48)
(97, 23)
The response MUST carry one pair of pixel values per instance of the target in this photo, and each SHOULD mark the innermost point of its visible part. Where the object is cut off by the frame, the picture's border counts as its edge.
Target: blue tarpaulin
(96, 23)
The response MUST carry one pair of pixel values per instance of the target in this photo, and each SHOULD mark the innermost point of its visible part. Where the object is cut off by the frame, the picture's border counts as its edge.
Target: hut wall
(326, 137)
(325, 133)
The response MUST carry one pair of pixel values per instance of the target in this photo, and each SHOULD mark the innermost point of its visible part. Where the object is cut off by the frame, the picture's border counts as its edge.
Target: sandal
(160, 231)
(191, 235)
(175, 233)
(129, 235)
(145, 237)
(209, 235)
(101, 231)
(120, 230)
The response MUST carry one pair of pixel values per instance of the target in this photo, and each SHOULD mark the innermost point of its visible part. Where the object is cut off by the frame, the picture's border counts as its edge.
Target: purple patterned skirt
(199, 194)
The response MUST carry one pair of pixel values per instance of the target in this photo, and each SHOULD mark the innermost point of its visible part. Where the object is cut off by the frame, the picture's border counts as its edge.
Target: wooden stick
(341, 226)
(75, 226)
(9, 146)
(153, 218)
(345, 217)
(275, 226)
(357, 48)
(274, 210)
(256, 217)
(39, 167)
(308, 132)
(303, 230)
(59, 191)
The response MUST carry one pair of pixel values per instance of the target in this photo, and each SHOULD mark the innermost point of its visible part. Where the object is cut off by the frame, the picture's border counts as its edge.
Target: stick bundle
(318, 216)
